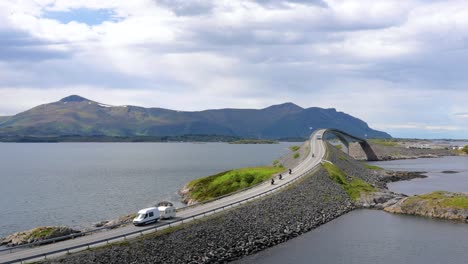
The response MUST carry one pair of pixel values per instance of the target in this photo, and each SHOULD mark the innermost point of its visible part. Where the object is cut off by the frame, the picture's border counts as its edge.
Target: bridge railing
(163, 226)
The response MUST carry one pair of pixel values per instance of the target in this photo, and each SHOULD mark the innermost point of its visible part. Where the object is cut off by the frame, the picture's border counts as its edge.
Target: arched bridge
(346, 138)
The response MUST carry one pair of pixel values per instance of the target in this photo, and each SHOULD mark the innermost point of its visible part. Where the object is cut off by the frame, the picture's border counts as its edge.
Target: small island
(440, 204)
(254, 141)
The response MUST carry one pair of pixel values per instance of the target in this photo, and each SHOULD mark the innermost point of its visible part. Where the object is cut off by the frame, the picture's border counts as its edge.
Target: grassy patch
(42, 232)
(296, 155)
(353, 188)
(343, 158)
(465, 149)
(277, 164)
(294, 148)
(223, 183)
(442, 199)
(372, 167)
(339, 146)
(384, 142)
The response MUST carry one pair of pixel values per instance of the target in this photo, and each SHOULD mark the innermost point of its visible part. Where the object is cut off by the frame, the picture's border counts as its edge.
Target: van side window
(151, 214)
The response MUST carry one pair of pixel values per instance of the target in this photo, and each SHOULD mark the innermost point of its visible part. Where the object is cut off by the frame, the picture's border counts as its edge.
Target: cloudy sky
(402, 66)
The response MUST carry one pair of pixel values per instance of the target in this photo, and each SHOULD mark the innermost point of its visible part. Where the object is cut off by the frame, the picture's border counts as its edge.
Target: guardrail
(160, 227)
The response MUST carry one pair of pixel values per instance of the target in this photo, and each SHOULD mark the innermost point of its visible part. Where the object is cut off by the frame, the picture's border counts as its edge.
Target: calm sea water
(77, 184)
(436, 180)
(374, 237)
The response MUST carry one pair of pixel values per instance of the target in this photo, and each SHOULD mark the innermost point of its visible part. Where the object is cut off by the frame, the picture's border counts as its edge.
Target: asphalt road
(316, 146)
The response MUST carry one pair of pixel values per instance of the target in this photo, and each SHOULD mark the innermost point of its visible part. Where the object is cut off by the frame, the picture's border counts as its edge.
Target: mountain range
(78, 116)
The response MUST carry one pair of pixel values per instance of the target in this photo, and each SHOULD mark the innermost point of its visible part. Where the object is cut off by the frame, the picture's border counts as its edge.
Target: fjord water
(77, 184)
(437, 180)
(371, 236)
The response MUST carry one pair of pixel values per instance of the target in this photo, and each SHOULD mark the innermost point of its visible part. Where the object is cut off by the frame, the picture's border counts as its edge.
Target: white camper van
(166, 210)
(146, 216)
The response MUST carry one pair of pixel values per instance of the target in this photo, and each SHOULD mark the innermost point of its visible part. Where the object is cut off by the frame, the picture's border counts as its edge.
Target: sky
(401, 66)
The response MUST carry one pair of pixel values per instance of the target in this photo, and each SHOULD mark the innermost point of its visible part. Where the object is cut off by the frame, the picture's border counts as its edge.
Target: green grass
(275, 162)
(296, 155)
(338, 146)
(372, 167)
(223, 183)
(353, 188)
(442, 199)
(384, 142)
(465, 149)
(42, 232)
(294, 148)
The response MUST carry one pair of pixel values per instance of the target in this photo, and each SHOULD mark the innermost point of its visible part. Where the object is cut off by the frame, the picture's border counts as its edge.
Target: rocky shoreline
(36, 235)
(434, 205)
(394, 176)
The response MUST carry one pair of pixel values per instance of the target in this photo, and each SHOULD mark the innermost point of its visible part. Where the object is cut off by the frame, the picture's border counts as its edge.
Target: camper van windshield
(141, 216)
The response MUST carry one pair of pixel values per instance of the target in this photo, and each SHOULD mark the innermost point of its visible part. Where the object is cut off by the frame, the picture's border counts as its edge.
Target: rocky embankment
(36, 235)
(235, 233)
(444, 205)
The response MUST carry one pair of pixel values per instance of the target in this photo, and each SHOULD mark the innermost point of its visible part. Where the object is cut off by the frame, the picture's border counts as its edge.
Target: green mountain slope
(75, 115)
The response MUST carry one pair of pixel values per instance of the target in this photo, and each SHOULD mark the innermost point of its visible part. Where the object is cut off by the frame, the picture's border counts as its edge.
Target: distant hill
(3, 118)
(78, 116)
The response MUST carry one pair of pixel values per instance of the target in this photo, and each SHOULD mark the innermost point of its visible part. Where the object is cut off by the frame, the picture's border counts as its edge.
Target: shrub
(295, 148)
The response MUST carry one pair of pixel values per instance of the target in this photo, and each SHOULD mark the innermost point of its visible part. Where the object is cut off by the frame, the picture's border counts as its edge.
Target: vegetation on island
(384, 142)
(440, 199)
(353, 187)
(254, 141)
(465, 149)
(42, 232)
(276, 163)
(101, 138)
(294, 148)
(296, 155)
(223, 183)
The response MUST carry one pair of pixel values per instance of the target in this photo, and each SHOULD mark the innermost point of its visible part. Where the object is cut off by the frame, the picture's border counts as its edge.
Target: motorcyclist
(280, 176)
(272, 181)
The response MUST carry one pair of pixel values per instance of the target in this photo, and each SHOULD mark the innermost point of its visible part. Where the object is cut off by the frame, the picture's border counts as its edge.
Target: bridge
(346, 139)
(98, 238)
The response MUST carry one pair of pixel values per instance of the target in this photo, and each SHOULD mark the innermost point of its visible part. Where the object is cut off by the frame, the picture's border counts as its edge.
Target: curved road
(316, 147)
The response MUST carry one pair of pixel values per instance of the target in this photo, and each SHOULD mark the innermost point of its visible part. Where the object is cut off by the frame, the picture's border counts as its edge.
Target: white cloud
(392, 63)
